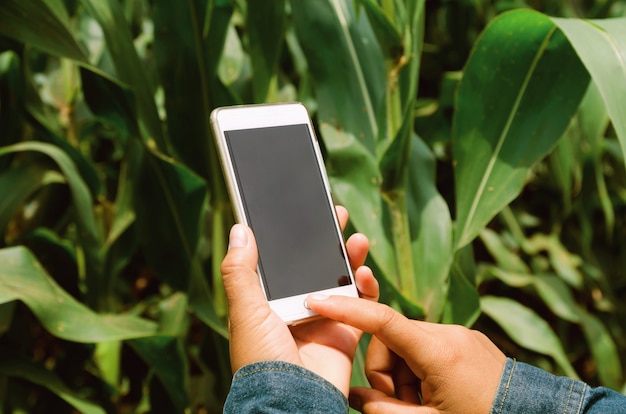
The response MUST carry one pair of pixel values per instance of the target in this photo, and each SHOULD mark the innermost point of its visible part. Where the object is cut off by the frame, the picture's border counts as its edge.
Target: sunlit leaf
(354, 178)
(527, 329)
(265, 21)
(431, 231)
(502, 254)
(604, 350)
(557, 295)
(504, 124)
(348, 70)
(601, 45)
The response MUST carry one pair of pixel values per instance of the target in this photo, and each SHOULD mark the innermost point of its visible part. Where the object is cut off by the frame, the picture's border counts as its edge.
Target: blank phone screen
(288, 210)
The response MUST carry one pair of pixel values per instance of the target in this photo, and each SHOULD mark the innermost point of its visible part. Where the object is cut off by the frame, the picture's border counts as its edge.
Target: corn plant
(479, 145)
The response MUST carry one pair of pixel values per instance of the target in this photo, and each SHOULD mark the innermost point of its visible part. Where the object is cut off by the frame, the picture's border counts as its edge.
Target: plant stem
(400, 230)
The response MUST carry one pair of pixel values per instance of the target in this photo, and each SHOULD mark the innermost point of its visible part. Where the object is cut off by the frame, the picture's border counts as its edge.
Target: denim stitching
(569, 395)
(506, 388)
(582, 397)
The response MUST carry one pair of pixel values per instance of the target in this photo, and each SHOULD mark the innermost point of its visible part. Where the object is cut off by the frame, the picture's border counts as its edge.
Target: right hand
(415, 366)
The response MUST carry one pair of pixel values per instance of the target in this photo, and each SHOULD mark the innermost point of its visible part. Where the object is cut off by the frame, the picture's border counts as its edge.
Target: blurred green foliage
(479, 144)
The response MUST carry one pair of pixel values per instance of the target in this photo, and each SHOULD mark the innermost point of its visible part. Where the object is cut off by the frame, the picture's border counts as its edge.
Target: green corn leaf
(603, 349)
(111, 101)
(168, 200)
(354, 178)
(557, 296)
(128, 66)
(462, 306)
(88, 234)
(22, 278)
(43, 24)
(18, 367)
(431, 233)
(166, 356)
(265, 23)
(348, 71)
(522, 84)
(527, 329)
(601, 45)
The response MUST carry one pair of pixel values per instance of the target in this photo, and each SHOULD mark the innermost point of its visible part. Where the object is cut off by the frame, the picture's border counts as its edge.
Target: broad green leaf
(199, 296)
(504, 257)
(558, 297)
(168, 200)
(174, 315)
(83, 209)
(19, 367)
(527, 329)
(601, 46)
(604, 350)
(358, 370)
(43, 24)
(22, 278)
(111, 101)
(265, 29)
(355, 180)
(462, 306)
(190, 82)
(510, 278)
(48, 129)
(80, 192)
(107, 357)
(431, 232)
(348, 71)
(565, 164)
(522, 84)
(128, 67)
(165, 355)
(233, 59)
(593, 119)
(58, 256)
(388, 35)
(564, 263)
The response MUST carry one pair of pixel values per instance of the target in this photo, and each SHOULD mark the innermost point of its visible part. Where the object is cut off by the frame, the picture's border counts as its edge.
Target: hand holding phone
(278, 187)
(323, 346)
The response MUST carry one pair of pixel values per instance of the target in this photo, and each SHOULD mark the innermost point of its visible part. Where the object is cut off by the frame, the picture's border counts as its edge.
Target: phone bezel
(291, 309)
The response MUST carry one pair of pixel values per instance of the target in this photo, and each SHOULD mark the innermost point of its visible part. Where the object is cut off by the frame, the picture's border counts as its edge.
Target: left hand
(324, 346)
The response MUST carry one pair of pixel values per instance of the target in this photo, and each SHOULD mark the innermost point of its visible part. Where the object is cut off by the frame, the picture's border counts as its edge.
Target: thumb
(372, 401)
(239, 273)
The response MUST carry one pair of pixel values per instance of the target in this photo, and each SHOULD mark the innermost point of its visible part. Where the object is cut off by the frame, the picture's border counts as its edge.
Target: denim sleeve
(274, 387)
(525, 389)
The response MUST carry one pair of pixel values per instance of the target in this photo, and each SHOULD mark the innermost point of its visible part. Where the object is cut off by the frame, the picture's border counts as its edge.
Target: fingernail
(238, 236)
(316, 297)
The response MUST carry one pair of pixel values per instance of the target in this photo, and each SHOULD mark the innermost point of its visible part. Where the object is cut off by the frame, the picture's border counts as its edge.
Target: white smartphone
(278, 186)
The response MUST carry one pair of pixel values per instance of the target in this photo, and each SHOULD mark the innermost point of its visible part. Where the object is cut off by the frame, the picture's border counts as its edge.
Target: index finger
(411, 340)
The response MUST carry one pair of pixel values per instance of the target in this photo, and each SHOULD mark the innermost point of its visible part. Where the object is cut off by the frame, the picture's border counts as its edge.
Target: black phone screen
(287, 207)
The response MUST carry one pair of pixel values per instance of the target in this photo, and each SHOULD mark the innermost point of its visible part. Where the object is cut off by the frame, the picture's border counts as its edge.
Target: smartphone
(278, 186)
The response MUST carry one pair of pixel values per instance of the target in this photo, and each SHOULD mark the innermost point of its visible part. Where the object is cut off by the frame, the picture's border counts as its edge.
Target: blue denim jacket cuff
(527, 389)
(281, 387)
